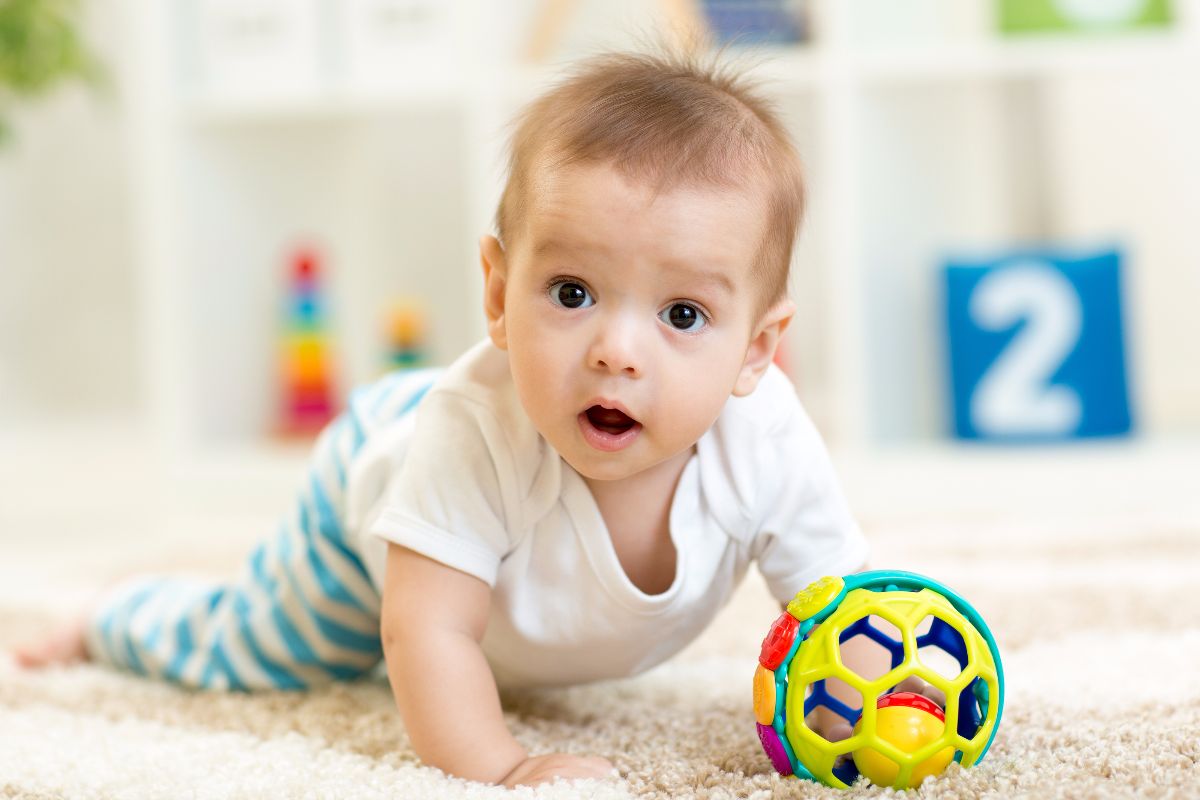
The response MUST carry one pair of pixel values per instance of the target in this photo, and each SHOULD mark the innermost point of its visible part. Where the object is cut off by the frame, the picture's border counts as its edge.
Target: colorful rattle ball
(899, 738)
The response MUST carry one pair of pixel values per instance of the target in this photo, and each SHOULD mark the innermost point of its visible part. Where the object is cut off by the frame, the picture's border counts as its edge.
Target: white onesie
(468, 481)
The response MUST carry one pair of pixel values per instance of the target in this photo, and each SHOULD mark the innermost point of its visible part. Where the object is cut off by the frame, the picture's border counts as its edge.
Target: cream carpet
(1098, 621)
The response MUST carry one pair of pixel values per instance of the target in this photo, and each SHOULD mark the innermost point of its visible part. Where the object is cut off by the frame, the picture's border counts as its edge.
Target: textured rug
(1098, 624)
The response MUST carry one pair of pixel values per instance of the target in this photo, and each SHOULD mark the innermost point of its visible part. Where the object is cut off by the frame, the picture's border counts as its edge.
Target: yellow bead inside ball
(908, 721)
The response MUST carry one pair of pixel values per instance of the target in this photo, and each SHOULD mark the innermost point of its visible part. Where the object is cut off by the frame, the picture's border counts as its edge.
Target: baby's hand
(543, 769)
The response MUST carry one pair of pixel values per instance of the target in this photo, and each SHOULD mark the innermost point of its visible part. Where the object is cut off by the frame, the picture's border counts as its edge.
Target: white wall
(67, 308)
(1127, 157)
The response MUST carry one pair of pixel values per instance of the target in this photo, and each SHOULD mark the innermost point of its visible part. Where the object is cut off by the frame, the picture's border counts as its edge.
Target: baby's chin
(605, 472)
(610, 467)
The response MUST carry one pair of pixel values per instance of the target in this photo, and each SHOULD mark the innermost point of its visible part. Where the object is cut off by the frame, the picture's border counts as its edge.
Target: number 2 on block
(1015, 396)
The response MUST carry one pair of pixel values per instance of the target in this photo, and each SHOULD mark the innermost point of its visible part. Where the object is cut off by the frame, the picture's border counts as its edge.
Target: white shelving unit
(941, 138)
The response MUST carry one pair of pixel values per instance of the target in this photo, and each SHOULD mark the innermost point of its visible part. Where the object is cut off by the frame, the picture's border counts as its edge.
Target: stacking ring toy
(898, 738)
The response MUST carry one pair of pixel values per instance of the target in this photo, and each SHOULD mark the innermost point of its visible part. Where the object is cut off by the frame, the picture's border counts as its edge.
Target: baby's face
(627, 319)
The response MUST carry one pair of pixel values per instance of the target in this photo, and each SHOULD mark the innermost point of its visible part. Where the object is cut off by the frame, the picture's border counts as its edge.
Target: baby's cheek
(689, 414)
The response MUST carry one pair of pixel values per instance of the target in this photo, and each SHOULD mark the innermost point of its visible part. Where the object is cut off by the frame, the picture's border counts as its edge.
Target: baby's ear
(495, 274)
(763, 343)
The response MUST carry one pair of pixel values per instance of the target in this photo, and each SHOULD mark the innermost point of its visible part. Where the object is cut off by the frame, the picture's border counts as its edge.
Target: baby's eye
(569, 294)
(684, 317)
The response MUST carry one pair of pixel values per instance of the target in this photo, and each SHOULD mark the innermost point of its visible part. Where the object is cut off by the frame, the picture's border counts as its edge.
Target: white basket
(269, 49)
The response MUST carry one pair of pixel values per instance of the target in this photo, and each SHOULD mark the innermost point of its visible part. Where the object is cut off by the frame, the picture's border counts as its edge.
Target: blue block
(755, 21)
(1037, 347)
(306, 309)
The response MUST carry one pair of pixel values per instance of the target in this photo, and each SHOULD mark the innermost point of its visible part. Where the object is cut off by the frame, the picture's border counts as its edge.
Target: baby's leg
(303, 612)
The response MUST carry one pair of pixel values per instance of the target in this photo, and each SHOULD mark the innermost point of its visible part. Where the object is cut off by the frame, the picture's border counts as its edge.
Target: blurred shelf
(1087, 479)
(251, 477)
(785, 69)
(1030, 57)
(782, 69)
(322, 106)
(267, 459)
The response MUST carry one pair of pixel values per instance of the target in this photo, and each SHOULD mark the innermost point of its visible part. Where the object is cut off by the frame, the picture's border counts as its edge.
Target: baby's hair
(666, 119)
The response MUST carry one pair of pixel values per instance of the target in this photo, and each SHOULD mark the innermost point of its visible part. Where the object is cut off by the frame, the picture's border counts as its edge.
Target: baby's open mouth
(610, 420)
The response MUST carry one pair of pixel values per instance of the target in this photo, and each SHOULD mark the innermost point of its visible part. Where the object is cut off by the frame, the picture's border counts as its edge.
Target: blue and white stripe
(303, 612)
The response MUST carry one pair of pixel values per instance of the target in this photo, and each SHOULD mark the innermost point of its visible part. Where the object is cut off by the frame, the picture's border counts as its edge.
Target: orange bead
(764, 695)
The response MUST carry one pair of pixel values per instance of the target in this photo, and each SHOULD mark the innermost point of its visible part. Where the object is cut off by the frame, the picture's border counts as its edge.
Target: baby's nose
(616, 351)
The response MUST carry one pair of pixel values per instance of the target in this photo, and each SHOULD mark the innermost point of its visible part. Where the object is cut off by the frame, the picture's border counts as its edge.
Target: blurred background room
(217, 217)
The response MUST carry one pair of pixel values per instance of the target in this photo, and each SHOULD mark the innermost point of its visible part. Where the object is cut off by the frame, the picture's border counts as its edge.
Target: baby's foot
(65, 645)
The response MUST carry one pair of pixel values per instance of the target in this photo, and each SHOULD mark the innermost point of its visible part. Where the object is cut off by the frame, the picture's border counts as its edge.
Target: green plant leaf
(40, 47)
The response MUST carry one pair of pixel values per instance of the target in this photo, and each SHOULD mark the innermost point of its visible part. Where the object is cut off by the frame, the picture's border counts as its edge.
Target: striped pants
(304, 610)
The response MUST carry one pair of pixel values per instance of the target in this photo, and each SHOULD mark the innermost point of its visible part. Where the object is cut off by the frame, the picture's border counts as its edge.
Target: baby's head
(639, 277)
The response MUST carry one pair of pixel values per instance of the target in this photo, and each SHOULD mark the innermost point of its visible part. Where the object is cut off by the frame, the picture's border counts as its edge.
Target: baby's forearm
(448, 698)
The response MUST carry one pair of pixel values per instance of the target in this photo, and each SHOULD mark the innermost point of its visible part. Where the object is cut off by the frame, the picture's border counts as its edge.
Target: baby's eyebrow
(546, 246)
(714, 277)
(684, 270)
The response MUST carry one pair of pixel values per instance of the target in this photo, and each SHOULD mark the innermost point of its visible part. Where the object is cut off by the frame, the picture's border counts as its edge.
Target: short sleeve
(806, 529)
(452, 498)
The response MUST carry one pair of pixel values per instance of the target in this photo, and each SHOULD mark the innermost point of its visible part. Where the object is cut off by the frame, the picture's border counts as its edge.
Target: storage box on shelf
(264, 57)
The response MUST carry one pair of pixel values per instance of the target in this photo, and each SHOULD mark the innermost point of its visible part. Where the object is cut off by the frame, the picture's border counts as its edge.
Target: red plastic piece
(779, 641)
(304, 265)
(912, 700)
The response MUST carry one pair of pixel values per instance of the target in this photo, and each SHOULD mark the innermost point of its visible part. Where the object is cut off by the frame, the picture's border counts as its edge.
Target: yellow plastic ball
(909, 722)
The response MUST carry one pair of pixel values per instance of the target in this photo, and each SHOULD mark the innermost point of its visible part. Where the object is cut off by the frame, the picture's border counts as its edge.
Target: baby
(577, 496)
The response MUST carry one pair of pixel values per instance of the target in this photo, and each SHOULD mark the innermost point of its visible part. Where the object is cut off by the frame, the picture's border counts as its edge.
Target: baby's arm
(433, 618)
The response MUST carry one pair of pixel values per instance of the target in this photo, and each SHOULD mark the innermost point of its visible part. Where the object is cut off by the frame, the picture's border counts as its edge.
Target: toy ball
(899, 738)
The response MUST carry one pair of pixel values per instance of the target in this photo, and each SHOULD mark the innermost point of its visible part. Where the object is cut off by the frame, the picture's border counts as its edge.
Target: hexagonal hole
(874, 645)
(979, 689)
(940, 647)
(973, 709)
(886, 628)
(829, 702)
